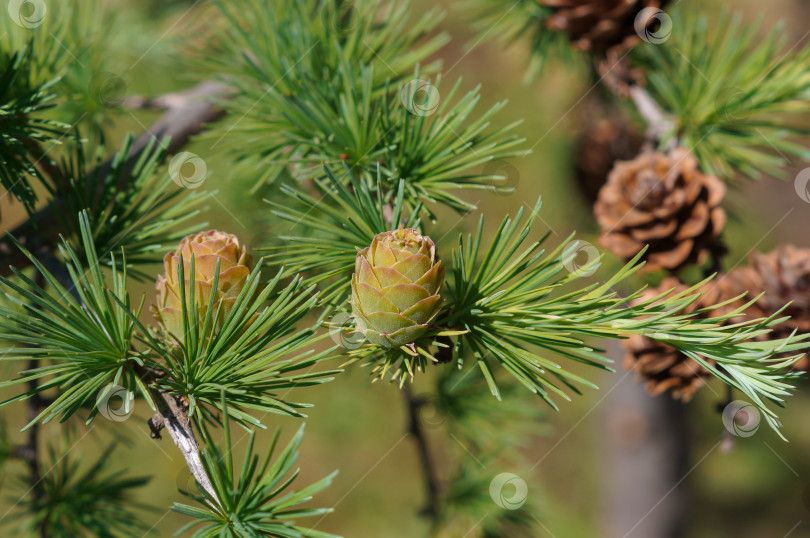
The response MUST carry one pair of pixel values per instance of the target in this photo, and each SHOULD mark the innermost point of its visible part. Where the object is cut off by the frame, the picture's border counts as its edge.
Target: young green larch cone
(395, 287)
(207, 248)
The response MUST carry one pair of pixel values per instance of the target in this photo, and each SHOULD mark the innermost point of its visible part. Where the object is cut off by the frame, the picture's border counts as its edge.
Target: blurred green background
(761, 488)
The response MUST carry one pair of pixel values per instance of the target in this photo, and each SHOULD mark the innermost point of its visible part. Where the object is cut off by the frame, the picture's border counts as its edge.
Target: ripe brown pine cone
(664, 368)
(604, 141)
(664, 201)
(598, 25)
(783, 274)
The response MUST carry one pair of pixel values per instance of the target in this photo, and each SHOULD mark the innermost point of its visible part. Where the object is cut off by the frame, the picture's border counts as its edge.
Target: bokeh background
(758, 488)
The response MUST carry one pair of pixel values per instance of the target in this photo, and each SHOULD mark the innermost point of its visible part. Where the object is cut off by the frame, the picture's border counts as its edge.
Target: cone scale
(208, 249)
(395, 288)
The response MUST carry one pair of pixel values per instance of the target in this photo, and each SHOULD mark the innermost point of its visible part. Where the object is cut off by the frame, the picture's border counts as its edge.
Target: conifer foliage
(340, 119)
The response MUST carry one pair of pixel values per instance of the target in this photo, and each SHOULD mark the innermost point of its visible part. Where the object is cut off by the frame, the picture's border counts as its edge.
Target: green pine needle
(254, 500)
(80, 335)
(256, 356)
(23, 101)
(516, 304)
(90, 502)
(342, 216)
(733, 93)
(135, 206)
(521, 20)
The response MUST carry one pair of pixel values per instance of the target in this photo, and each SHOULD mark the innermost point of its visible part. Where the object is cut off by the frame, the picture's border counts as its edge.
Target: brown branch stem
(658, 123)
(172, 415)
(428, 465)
(29, 452)
(186, 113)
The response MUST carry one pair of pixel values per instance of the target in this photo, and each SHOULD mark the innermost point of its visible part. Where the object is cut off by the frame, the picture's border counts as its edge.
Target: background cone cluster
(664, 368)
(599, 25)
(780, 276)
(662, 201)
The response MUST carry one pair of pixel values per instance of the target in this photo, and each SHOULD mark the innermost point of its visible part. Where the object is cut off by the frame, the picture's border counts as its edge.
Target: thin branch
(172, 416)
(658, 123)
(29, 452)
(173, 100)
(432, 484)
(184, 118)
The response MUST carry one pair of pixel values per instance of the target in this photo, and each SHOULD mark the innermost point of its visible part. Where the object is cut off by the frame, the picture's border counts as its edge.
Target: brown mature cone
(604, 141)
(217, 255)
(598, 25)
(783, 274)
(664, 201)
(664, 368)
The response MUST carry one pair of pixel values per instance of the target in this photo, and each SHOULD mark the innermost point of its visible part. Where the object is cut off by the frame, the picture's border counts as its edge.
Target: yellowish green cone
(395, 288)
